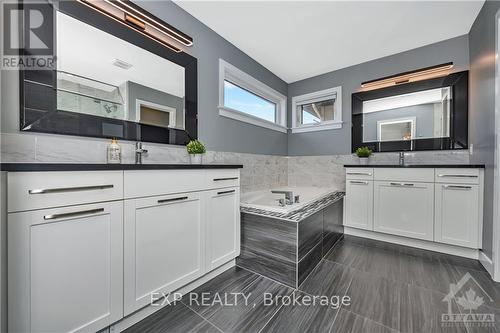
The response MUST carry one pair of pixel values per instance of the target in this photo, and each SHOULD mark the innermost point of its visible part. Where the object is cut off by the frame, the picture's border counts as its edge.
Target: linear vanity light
(134, 17)
(407, 77)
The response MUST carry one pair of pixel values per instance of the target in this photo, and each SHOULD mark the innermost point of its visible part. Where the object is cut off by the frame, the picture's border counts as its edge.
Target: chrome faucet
(401, 158)
(288, 196)
(138, 152)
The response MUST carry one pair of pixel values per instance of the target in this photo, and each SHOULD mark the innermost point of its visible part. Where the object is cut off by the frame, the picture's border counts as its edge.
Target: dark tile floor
(392, 288)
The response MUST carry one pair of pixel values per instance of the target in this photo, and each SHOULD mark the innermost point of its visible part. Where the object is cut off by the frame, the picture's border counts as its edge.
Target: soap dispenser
(114, 152)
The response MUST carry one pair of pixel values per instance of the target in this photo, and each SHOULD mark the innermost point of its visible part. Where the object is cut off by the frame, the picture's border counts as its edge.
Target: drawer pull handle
(358, 182)
(402, 184)
(359, 173)
(72, 214)
(227, 178)
(459, 176)
(171, 200)
(226, 192)
(462, 187)
(70, 189)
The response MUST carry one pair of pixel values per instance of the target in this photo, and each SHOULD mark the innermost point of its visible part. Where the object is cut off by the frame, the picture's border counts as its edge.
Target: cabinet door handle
(72, 214)
(227, 178)
(462, 187)
(402, 184)
(70, 189)
(171, 200)
(359, 173)
(458, 176)
(226, 192)
(358, 182)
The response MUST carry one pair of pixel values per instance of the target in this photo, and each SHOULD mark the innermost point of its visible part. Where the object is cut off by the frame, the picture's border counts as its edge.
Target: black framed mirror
(430, 114)
(108, 81)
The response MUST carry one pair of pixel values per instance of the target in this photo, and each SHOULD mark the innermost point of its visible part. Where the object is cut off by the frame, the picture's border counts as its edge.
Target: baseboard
(417, 243)
(136, 317)
(487, 263)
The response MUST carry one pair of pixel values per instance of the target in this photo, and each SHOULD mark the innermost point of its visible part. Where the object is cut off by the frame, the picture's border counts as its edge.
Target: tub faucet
(288, 196)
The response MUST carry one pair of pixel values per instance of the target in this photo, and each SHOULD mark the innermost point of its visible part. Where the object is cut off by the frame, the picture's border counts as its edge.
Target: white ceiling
(300, 39)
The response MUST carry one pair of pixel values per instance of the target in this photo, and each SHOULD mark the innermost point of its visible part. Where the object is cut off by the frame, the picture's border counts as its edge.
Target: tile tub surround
(287, 250)
(328, 170)
(259, 171)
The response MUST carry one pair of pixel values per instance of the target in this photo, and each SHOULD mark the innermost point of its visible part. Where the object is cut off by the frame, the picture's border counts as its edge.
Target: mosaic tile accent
(301, 213)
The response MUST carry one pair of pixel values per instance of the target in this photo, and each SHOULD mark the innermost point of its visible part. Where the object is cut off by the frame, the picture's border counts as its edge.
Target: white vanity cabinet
(440, 205)
(65, 264)
(164, 245)
(223, 226)
(86, 248)
(458, 205)
(359, 208)
(404, 209)
(174, 238)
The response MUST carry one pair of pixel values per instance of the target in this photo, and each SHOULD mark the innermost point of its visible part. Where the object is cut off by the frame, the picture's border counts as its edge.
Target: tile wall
(259, 171)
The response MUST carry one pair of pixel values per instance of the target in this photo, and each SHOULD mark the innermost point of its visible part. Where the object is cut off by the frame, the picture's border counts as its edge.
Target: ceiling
(301, 39)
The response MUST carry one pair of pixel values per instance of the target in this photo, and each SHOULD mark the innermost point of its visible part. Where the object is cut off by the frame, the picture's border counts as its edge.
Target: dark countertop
(463, 166)
(99, 167)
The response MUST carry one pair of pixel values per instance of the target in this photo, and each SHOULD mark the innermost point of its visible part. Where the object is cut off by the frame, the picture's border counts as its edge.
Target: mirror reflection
(105, 76)
(418, 115)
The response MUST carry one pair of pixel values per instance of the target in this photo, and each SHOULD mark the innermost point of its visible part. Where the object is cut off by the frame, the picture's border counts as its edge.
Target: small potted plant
(195, 149)
(363, 154)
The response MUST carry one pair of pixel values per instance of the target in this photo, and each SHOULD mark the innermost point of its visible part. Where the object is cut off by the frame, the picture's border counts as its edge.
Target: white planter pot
(364, 160)
(195, 158)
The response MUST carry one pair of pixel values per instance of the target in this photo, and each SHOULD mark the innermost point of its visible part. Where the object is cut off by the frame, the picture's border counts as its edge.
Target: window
(243, 100)
(317, 111)
(246, 99)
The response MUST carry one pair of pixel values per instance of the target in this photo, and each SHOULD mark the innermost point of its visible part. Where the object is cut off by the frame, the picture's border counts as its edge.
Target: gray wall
(482, 106)
(339, 141)
(424, 114)
(138, 91)
(219, 133)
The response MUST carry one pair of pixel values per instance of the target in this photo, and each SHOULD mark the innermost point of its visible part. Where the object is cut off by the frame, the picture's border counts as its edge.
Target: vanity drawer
(146, 183)
(404, 174)
(359, 173)
(457, 176)
(37, 190)
(218, 178)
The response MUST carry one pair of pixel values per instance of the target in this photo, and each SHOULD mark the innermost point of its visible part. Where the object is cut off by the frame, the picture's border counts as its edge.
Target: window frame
(228, 72)
(318, 96)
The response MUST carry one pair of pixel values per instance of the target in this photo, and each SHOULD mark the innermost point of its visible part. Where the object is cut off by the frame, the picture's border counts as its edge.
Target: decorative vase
(195, 158)
(363, 160)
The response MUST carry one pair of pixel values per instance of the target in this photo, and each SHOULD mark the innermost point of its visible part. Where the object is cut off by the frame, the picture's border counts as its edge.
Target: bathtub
(286, 243)
(269, 201)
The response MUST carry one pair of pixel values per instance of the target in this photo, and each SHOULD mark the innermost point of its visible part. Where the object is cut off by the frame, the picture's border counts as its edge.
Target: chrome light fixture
(407, 77)
(137, 19)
